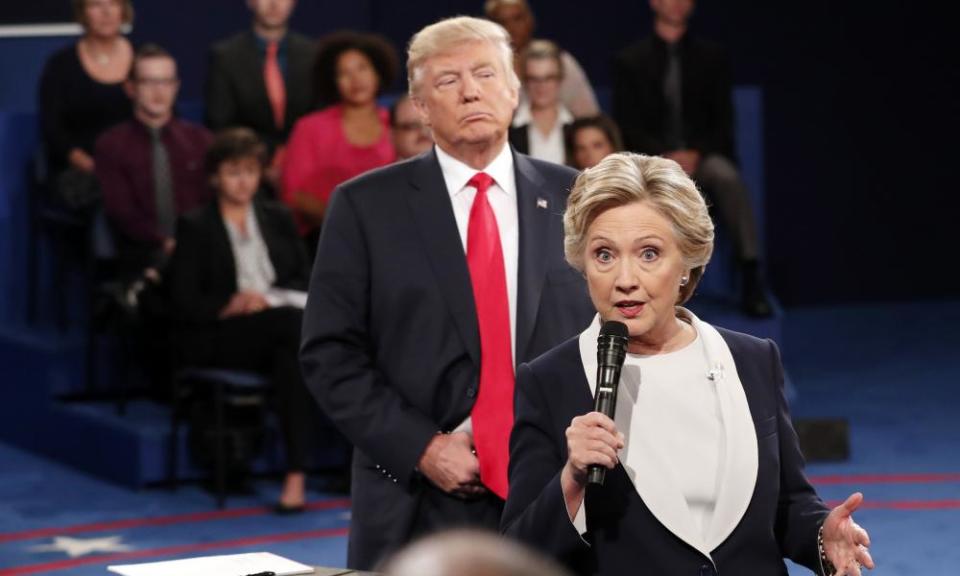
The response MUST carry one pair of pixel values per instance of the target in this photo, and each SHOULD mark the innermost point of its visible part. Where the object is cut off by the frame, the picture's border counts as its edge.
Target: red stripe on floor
(173, 551)
(903, 504)
(164, 520)
(885, 479)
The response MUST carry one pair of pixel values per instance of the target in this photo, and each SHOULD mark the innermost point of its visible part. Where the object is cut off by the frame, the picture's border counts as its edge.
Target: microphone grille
(614, 328)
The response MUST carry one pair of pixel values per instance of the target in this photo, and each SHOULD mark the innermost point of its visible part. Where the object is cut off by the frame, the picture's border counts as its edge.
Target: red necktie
(492, 415)
(273, 80)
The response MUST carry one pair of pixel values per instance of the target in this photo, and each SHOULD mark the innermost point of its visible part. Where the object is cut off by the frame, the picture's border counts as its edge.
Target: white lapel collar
(659, 489)
(738, 475)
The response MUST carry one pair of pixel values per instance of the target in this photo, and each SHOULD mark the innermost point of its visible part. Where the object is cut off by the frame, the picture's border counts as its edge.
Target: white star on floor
(74, 547)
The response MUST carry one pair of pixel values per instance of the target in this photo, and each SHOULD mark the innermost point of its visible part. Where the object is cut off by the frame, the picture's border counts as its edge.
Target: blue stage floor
(892, 370)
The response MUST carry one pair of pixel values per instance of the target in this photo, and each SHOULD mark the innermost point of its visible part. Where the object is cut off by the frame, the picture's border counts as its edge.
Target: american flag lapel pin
(541, 202)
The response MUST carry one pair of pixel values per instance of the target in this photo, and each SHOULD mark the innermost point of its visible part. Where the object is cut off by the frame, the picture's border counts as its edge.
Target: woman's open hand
(844, 541)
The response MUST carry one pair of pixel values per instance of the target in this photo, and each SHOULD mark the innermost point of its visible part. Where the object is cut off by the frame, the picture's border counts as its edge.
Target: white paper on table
(226, 565)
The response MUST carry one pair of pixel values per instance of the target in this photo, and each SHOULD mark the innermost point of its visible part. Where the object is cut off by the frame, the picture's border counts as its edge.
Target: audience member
(470, 553)
(81, 94)
(672, 97)
(517, 17)
(591, 139)
(540, 122)
(237, 280)
(350, 135)
(410, 136)
(262, 79)
(150, 168)
(433, 278)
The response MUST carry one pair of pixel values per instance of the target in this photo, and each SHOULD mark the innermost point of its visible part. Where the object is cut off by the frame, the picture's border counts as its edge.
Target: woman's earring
(684, 280)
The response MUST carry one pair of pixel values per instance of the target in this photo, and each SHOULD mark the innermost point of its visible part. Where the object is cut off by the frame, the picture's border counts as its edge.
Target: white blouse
(250, 255)
(669, 398)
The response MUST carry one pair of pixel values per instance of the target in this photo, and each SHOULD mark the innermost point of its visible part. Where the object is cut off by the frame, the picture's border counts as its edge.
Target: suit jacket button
(471, 391)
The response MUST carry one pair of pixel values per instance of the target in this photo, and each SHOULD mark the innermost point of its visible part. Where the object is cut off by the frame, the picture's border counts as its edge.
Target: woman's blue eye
(649, 255)
(604, 255)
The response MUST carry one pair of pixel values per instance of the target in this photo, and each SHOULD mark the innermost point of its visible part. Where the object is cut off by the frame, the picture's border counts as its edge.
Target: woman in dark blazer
(704, 472)
(238, 280)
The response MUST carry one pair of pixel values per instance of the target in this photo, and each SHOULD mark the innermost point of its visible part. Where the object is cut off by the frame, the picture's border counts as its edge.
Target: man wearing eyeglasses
(410, 136)
(150, 168)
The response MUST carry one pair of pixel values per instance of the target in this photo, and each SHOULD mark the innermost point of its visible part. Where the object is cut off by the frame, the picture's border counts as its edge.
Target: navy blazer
(391, 347)
(623, 535)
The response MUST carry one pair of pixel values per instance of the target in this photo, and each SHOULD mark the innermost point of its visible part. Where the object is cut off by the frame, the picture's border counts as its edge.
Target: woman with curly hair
(349, 135)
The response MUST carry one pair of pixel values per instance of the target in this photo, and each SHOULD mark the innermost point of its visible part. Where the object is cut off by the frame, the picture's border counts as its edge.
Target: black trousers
(721, 180)
(267, 342)
(440, 511)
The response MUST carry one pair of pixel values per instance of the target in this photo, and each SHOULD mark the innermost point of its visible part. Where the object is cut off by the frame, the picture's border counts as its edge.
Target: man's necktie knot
(481, 181)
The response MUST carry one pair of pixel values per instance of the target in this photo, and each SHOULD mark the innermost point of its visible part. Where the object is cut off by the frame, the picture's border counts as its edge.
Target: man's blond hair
(445, 35)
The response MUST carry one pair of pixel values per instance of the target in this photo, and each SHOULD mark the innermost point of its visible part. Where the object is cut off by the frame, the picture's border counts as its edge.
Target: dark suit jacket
(391, 348)
(202, 276)
(640, 108)
(782, 518)
(520, 139)
(236, 94)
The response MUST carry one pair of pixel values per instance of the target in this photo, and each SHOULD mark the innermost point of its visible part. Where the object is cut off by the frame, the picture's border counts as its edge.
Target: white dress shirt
(502, 196)
(250, 255)
(549, 147)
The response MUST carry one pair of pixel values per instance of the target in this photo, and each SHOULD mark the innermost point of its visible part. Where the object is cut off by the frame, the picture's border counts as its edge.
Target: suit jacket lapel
(653, 478)
(253, 65)
(738, 473)
(433, 213)
(533, 215)
(222, 250)
(297, 60)
(278, 256)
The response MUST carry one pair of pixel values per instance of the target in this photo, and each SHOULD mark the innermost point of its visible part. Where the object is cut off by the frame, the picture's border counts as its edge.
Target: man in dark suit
(262, 78)
(672, 97)
(434, 277)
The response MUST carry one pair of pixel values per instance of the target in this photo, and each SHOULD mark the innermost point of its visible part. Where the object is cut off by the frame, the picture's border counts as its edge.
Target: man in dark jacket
(672, 98)
(262, 79)
(434, 278)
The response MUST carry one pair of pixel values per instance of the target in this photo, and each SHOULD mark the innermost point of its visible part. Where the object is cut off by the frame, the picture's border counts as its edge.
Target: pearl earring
(684, 280)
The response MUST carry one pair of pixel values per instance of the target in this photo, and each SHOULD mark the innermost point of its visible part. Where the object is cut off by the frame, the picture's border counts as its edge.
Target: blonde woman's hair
(445, 35)
(541, 50)
(625, 178)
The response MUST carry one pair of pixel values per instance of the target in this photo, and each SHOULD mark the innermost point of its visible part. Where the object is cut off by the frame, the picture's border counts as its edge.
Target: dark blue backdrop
(861, 115)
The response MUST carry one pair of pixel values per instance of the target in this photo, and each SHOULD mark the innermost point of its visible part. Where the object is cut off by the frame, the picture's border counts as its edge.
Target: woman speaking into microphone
(704, 474)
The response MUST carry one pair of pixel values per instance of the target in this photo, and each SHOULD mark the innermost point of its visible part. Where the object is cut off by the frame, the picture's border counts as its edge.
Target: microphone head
(614, 328)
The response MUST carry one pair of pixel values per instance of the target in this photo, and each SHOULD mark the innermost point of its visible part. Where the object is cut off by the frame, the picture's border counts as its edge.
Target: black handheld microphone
(611, 350)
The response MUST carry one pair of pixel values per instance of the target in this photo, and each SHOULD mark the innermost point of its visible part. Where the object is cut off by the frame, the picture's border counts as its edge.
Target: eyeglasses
(408, 126)
(542, 79)
(158, 82)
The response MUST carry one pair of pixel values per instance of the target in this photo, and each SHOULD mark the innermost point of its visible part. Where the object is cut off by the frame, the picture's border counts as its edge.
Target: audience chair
(228, 388)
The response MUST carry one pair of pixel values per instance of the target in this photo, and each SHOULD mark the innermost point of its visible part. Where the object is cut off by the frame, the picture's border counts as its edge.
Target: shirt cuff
(580, 520)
